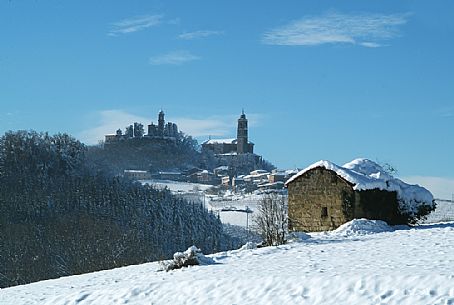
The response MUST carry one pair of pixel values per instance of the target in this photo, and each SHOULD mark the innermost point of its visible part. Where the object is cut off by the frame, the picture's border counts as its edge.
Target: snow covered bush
(191, 257)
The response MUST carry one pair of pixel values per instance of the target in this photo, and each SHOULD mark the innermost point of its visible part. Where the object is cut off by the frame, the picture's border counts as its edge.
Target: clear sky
(329, 80)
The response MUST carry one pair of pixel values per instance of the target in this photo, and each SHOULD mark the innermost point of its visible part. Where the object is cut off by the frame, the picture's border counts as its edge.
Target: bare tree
(272, 219)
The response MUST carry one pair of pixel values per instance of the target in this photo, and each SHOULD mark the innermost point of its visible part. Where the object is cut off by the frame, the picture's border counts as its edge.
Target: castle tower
(161, 123)
(241, 135)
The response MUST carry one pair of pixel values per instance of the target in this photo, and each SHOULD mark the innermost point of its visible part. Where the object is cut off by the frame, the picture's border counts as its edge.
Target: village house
(136, 174)
(324, 196)
(225, 181)
(204, 177)
(172, 176)
(271, 186)
(257, 176)
(222, 171)
(238, 182)
(277, 176)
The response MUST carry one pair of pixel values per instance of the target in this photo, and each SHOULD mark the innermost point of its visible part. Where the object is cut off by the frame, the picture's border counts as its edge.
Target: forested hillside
(60, 215)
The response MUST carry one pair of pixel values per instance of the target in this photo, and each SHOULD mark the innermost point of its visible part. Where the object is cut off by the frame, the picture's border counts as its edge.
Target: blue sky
(329, 80)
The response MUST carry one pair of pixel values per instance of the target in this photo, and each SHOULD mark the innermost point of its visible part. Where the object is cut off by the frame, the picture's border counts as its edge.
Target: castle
(169, 131)
(163, 130)
(237, 146)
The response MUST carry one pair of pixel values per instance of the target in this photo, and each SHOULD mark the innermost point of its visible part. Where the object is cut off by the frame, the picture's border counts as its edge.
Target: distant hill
(155, 154)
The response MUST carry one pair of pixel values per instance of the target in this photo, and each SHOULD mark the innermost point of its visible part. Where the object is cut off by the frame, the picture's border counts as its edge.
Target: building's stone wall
(220, 148)
(318, 201)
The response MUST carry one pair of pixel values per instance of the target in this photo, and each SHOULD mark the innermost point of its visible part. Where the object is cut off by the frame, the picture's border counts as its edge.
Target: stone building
(324, 196)
(136, 174)
(220, 146)
(163, 130)
(240, 145)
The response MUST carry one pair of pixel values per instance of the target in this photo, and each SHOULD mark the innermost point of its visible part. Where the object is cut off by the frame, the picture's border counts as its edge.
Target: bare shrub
(272, 220)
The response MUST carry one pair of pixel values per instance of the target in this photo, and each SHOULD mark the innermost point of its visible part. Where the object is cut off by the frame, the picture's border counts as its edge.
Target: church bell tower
(241, 135)
(161, 123)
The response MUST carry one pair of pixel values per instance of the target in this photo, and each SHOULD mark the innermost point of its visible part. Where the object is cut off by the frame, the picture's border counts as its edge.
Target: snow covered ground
(177, 186)
(443, 212)
(194, 192)
(236, 204)
(362, 262)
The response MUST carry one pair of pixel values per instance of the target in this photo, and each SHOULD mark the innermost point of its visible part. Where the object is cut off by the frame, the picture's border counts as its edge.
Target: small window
(324, 212)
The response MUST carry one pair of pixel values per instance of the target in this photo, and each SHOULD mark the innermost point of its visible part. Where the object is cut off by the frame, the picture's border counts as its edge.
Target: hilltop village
(321, 197)
(227, 163)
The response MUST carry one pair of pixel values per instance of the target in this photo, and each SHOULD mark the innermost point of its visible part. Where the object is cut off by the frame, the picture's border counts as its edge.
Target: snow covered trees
(271, 221)
(60, 217)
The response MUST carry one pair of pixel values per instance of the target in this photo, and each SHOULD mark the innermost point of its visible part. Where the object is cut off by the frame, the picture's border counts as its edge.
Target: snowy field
(362, 262)
(193, 192)
(237, 218)
(443, 212)
(236, 204)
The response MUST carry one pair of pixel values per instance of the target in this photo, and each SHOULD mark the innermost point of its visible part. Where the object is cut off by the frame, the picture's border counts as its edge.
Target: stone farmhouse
(324, 196)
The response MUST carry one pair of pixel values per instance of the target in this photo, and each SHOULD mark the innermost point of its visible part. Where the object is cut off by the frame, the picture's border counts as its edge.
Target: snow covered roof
(223, 167)
(274, 184)
(365, 174)
(278, 174)
(257, 176)
(220, 141)
(169, 173)
(228, 154)
(259, 171)
(291, 172)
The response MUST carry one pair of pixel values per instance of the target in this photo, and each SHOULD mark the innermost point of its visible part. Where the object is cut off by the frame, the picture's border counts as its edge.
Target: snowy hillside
(230, 207)
(363, 262)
